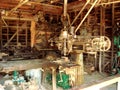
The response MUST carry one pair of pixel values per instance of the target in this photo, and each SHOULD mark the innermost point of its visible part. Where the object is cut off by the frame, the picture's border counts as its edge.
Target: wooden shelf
(10, 33)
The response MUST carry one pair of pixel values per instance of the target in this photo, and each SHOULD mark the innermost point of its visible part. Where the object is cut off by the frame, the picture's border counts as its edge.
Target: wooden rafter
(15, 18)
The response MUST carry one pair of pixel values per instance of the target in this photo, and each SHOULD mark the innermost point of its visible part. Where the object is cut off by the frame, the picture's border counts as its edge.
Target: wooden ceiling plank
(7, 6)
(19, 5)
(76, 5)
(47, 8)
(110, 2)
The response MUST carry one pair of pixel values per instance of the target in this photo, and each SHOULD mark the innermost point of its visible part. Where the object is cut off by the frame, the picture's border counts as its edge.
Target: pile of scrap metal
(3, 56)
(30, 80)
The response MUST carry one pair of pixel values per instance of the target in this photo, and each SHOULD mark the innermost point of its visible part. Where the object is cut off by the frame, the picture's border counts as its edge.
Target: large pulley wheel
(101, 44)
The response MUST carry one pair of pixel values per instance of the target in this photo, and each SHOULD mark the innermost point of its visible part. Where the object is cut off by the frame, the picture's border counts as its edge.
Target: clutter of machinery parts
(52, 44)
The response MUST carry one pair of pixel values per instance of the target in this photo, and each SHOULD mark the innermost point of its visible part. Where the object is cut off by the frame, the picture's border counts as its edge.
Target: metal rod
(65, 8)
(86, 15)
(80, 12)
(65, 16)
(65, 47)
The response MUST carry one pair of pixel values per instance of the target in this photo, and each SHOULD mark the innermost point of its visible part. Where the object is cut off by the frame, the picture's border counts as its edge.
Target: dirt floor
(96, 76)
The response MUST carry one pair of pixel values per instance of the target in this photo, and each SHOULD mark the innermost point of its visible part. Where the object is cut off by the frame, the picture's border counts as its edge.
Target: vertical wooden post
(80, 71)
(54, 78)
(32, 29)
(112, 44)
(0, 31)
(17, 32)
(102, 20)
(26, 35)
(7, 33)
(102, 32)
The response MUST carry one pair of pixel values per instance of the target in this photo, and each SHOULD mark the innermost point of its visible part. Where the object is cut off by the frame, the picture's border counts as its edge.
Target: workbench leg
(44, 77)
(118, 85)
(54, 79)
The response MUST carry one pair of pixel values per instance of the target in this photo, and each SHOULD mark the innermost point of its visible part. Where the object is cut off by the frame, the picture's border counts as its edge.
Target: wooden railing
(97, 85)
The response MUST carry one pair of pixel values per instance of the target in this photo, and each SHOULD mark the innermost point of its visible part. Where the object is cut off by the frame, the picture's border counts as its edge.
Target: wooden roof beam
(47, 8)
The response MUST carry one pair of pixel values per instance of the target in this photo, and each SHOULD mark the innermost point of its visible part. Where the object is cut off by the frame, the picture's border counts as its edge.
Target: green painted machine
(117, 44)
(116, 66)
(62, 80)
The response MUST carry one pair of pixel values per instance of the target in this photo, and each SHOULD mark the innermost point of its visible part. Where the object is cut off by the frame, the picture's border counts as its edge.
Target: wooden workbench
(9, 66)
